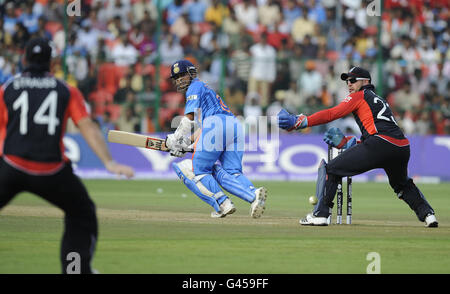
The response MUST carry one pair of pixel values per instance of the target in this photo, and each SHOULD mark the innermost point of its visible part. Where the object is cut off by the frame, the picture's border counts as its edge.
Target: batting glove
(291, 122)
(177, 153)
(334, 137)
(178, 146)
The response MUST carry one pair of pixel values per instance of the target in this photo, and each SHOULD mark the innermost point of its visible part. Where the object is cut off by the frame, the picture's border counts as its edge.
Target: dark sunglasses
(354, 80)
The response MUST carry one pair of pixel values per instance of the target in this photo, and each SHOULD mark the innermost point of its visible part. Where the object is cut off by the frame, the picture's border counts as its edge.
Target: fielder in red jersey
(382, 145)
(34, 109)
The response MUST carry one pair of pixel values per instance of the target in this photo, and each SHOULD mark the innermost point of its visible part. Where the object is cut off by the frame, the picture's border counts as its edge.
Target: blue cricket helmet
(182, 66)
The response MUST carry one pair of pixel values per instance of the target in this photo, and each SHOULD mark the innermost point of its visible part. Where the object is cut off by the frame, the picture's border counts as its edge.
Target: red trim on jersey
(347, 106)
(3, 120)
(76, 110)
(77, 107)
(33, 167)
(396, 142)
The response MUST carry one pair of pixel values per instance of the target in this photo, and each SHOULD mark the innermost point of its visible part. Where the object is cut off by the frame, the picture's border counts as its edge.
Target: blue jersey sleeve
(193, 96)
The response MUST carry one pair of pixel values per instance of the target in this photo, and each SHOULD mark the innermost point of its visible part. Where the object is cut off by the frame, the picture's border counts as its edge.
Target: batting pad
(236, 184)
(202, 186)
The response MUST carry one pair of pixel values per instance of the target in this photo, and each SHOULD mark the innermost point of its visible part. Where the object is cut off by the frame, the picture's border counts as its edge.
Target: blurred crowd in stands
(260, 55)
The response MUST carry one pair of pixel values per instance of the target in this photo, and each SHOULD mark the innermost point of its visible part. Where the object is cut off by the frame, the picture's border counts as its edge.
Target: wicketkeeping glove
(334, 137)
(291, 122)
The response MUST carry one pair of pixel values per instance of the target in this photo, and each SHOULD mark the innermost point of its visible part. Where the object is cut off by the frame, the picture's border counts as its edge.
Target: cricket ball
(313, 200)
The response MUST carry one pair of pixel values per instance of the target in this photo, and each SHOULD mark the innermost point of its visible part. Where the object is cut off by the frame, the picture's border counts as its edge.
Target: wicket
(340, 195)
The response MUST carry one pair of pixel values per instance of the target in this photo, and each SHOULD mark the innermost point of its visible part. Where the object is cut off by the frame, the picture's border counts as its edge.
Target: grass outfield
(143, 231)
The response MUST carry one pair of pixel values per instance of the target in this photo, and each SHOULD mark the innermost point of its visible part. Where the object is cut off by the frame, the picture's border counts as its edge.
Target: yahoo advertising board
(289, 158)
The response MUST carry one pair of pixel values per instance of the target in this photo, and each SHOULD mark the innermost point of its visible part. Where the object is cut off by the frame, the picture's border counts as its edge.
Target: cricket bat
(138, 140)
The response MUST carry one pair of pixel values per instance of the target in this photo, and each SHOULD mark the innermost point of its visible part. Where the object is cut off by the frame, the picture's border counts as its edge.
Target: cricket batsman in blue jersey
(218, 148)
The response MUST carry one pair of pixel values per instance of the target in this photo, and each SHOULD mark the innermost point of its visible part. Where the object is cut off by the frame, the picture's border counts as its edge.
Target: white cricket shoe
(226, 208)
(311, 220)
(431, 221)
(259, 204)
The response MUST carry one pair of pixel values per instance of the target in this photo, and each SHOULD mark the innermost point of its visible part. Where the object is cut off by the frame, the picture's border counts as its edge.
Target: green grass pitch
(144, 231)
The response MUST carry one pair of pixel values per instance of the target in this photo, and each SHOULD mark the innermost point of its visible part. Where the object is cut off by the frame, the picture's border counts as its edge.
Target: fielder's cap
(356, 72)
(38, 51)
(181, 66)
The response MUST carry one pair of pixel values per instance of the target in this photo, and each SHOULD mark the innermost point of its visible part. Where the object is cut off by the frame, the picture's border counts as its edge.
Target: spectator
(216, 12)
(123, 53)
(290, 13)
(120, 96)
(149, 126)
(414, 39)
(430, 95)
(440, 79)
(21, 36)
(292, 100)
(400, 78)
(361, 16)
(87, 38)
(247, 15)
(317, 12)
(194, 50)
(9, 19)
(115, 28)
(77, 65)
(405, 99)
(296, 63)
(242, 63)
(170, 50)
(252, 111)
(54, 12)
(233, 28)
(118, 10)
(263, 70)
(269, 14)
(214, 40)
(419, 84)
(407, 122)
(181, 27)
(308, 48)
(89, 83)
(105, 123)
(143, 7)
(128, 121)
(93, 21)
(147, 95)
(310, 81)
(422, 124)
(175, 10)
(196, 11)
(278, 39)
(302, 27)
(28, 18)
(42, 31)
(273, 109)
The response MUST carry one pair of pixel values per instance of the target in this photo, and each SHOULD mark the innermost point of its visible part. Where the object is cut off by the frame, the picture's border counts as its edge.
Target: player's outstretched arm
(93, 136)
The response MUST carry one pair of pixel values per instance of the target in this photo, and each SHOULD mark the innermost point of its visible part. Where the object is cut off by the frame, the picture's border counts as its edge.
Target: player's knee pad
(194, 183)
(321, 179)
(324, 203)
(415, 199)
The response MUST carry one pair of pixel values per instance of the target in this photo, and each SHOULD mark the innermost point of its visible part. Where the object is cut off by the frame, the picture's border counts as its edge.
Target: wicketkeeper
(382, 145)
